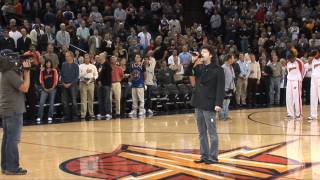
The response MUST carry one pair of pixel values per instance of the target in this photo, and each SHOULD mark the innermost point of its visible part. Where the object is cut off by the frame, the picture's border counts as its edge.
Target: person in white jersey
(315, 85)
(295, 69)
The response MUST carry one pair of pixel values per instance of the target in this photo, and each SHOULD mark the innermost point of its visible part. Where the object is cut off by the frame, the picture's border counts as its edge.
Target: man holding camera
(12, 107)
(208, 99)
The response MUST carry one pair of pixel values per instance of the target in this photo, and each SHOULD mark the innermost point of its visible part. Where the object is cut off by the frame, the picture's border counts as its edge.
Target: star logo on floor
(135, 162)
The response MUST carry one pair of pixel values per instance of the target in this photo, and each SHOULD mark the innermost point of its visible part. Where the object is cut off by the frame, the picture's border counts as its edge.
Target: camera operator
(12, 107)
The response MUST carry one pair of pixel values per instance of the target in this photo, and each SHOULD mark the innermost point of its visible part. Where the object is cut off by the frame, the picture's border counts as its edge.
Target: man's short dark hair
(209, 48)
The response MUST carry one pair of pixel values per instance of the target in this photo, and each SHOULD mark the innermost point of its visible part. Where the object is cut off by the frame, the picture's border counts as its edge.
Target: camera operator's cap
(9, 55)
(8, 60)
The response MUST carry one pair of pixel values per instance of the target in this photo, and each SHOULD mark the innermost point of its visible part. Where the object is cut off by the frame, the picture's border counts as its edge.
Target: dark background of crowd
(257, 27)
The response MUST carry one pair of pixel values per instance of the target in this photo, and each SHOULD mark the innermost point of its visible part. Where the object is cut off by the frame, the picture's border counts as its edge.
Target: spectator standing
(50, 54)
(185, 57)
(83, 35)
(242, 81)
(264, 86)
(69, 79)
(120, 16)
(177, 69)
(173, 56)
(34, 82)
(6, 42)
(104, 89)
(95, 42)
(35, 34)
(274, 92)
(253, 80)
(165, 75)
(47, 38)
(117, 76)
(24, 42)
(15, 35)
(229, 86)
(145, 38)
(63, 37)
(150, 64)
(48, 81)
(137, 84)
(88, 75)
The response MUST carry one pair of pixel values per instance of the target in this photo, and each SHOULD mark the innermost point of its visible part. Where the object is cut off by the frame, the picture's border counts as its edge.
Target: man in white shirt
(253, 80)
(88, 75)
(145, 38)
(174, 25)
(315, 85)
(295, 69)
(171, 58)
(15, 35)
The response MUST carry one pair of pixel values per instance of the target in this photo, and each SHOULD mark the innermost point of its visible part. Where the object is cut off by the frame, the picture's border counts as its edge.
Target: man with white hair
(63, 37)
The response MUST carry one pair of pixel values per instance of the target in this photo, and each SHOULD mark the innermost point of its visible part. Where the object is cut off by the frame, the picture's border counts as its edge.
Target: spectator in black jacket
(6, 42)
(263, 87)
(104, 89)
(24, 42)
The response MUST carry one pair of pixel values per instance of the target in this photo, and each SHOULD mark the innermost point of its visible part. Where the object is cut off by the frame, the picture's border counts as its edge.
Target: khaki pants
(116, 91)
(241, 90)
(87, 95)
(138, 96)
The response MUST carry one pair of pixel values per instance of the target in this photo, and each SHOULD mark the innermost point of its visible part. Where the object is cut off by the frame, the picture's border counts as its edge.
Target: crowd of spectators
(97, 47)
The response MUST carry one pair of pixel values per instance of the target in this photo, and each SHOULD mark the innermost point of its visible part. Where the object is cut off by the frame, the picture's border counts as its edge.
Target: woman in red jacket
(48, 81)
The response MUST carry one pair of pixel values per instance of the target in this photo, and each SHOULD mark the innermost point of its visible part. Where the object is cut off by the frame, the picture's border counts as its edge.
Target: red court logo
(134, 162)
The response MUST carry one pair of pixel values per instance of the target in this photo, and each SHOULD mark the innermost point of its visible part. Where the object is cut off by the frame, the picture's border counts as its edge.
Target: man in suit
(24, 42)
(208, 98)
(6, 42)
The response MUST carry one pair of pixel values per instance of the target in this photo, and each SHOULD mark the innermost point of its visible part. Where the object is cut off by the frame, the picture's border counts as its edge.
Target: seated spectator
(48, 81)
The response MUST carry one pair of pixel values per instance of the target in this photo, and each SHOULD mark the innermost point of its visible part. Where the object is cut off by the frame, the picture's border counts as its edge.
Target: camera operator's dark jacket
(209, 91)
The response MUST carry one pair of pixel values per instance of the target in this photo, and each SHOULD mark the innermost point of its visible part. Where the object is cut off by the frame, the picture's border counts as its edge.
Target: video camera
(10, 60)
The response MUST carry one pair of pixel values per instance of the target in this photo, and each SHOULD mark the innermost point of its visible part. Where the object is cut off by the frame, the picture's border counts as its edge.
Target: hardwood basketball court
(255, 144)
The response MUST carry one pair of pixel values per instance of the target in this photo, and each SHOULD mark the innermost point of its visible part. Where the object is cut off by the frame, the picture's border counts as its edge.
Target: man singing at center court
(207, 100)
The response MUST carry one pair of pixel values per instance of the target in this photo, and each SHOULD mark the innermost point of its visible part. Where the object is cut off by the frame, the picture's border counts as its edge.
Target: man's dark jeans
(12, 125)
